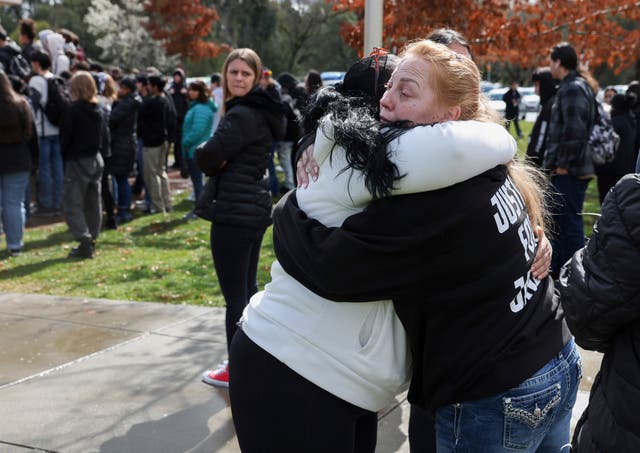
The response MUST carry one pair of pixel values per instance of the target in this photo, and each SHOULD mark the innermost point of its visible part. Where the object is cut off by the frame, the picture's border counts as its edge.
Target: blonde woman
(84, 140)
(487, 339)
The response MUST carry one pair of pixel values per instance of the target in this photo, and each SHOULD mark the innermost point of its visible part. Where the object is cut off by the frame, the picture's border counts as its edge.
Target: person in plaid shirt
(568, 157)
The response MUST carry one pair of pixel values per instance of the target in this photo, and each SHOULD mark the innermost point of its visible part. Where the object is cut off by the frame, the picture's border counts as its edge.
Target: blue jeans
(533, 417)
(196, 177)
(12, 211)
(274, 184)
(566, 209)
(122, 192)
(50, 173)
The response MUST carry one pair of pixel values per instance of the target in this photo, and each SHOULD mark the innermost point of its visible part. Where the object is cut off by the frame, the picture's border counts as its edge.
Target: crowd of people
(412, 255)
(144, 120)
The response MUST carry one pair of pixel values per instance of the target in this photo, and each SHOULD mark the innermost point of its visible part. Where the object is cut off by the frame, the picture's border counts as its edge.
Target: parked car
(495, 99)
(486, 86)
(330, 78)
(530, 102)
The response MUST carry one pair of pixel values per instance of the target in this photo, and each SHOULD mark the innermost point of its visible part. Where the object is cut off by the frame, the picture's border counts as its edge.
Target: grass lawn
(150, 259)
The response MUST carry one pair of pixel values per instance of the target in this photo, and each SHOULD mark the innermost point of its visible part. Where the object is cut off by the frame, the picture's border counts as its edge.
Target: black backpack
(19, 66)
(58, 99)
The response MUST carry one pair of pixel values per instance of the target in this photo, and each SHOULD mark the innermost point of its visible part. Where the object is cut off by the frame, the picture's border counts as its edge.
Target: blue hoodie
(197, 127)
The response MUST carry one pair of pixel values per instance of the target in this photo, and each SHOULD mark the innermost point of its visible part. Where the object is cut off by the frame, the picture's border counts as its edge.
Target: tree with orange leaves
(182, 26)
(604, 32)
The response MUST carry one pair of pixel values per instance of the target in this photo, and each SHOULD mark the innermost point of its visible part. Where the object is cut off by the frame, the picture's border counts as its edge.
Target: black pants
(422, 431)
(276, 410)
(513, 118)
(236, 251)
(108, 203)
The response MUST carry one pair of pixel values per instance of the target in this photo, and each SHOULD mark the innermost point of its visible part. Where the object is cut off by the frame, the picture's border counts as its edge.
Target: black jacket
(572, 118)
(18, 139)
(123, 125)
(539, 134)
(158, 121)
(512, 103)
(84, 131)
(456, 263)
(178, 93)
(625, 159)
(600, 291)
(236, 158)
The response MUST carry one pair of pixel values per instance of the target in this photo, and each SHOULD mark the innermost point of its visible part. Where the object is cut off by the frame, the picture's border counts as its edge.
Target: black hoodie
(84, 131)
(237, 156)
(456, 262)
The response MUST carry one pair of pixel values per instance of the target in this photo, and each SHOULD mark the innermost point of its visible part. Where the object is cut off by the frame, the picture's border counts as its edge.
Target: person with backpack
(84, 139)
(44, 99)
(54, 44)
(11, 58)
(624, 161)
(568, 158)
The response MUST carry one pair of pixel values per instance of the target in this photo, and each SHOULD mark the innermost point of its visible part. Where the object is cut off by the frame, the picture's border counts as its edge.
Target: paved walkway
(91, 375)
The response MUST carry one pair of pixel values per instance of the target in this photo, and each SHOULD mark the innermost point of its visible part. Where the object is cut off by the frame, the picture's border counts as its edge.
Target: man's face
(554, 66)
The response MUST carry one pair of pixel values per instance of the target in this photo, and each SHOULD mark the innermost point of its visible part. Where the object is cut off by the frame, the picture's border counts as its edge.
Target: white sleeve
(324, 141)
(433, 157)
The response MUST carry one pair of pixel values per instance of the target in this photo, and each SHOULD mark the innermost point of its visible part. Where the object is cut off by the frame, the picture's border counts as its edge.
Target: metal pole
(372, 25)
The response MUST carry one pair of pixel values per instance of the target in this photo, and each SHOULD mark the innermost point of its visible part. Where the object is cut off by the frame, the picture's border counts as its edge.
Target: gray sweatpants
(82, 203)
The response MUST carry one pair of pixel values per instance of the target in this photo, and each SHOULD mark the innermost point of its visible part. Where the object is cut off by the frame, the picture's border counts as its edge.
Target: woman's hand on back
(306, 167)
(542, 260)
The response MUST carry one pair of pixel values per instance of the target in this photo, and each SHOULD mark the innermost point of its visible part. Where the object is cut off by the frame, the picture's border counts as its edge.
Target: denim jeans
(566, 208)
(12, 211)
(196, 177)
(533, 417)
(50, 173)
(284, 157)
(122, 192)
(274, 184)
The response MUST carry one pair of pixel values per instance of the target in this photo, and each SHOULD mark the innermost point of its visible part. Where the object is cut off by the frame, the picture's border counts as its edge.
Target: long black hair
(352, 108)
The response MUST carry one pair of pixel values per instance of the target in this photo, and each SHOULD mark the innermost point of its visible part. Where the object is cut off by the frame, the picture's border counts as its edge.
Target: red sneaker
(218, 377)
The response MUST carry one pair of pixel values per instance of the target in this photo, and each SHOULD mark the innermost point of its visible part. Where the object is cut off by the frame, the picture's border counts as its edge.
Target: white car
(495, 99)
(530, 101)
(330, 78)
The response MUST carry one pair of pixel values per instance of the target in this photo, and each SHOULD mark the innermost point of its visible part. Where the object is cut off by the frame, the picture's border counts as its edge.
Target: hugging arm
(363, 260)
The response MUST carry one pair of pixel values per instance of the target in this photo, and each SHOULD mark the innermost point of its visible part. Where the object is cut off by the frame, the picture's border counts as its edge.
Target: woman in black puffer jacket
(600, 290)
(235, 159)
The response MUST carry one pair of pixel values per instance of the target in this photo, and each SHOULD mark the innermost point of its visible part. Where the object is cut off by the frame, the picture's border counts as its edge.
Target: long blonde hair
(252, 59)
(83, 87)
(456, 81)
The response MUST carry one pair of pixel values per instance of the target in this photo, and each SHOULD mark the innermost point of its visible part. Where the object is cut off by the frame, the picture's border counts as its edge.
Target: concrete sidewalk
(89, 375)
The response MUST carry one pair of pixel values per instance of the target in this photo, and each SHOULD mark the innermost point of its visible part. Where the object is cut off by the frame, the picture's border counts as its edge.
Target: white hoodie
(358, 351)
